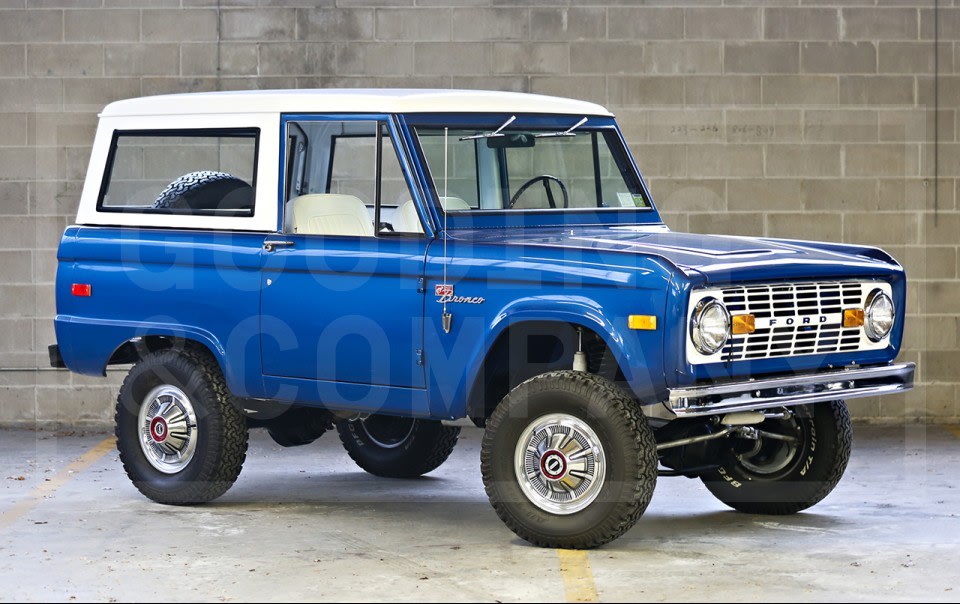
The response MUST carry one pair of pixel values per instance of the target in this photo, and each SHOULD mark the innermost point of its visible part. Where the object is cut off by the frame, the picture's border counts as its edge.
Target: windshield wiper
(491, 134)
(567, 132)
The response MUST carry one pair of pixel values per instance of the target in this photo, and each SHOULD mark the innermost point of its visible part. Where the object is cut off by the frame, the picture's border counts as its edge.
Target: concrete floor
(306, 524)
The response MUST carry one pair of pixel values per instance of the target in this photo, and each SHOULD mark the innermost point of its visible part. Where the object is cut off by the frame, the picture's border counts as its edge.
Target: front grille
(786, 301)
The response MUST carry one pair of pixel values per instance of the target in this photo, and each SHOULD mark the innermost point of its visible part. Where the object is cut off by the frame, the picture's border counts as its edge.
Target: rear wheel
(180, 436)
(796, 460)
(397, 447)
(568, 460)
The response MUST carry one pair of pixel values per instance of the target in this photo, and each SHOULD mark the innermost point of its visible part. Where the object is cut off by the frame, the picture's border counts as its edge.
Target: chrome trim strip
(753, 395)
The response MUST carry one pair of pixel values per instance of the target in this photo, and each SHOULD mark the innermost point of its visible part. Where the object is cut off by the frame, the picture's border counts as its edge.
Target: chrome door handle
(273, 245)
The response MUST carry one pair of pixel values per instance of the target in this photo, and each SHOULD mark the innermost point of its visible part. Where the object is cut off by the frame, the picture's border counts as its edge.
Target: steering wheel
(545, 178)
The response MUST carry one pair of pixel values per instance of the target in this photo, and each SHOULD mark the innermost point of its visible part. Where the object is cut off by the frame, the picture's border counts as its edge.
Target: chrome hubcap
(168, 429)
(559, 463)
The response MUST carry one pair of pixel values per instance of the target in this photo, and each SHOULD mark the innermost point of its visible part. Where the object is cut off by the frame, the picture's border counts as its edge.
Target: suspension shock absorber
(580, 357)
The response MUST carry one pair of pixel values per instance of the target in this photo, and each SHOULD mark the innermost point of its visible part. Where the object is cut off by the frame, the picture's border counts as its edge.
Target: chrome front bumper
(787, 391)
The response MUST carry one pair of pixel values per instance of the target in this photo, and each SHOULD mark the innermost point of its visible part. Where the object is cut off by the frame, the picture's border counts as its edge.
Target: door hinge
(421, 285)
(420, 357)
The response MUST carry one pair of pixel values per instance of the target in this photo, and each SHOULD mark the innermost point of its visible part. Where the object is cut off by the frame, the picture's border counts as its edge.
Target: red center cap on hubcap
(553, 464)
(158, 429)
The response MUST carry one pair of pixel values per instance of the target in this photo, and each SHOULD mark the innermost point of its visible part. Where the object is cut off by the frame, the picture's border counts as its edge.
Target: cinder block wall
(783, 118)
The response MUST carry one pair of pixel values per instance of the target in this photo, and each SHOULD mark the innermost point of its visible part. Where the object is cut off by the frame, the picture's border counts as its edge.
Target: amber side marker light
(645, 322)
(853, 317)
(743, 324)
(82, 290)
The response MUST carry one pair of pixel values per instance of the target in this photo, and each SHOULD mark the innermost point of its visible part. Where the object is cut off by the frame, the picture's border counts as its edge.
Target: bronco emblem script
(444, 294)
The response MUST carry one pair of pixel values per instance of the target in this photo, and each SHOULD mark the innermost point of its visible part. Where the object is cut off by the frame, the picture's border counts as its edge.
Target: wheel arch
(92, 346)
(136, 348)
(487, 386)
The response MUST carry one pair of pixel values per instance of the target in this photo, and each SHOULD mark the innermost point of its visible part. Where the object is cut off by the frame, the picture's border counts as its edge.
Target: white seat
(408, 221)
(329, 214)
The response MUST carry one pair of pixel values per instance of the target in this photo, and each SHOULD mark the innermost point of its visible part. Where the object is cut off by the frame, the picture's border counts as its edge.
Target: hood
(718, 258)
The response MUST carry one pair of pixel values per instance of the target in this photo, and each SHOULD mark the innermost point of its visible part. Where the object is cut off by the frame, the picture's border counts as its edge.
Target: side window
(394, 191)
(182, 172)
(332, 181)
(353, 164)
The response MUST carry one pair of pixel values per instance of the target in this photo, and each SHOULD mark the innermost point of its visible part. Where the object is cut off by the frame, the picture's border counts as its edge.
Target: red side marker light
(82, 290)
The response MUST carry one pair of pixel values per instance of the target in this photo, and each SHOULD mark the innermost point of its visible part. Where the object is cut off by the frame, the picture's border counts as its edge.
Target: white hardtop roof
(353, 100)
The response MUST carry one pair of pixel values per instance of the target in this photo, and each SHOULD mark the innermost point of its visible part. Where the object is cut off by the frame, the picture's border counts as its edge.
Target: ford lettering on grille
(798, 321)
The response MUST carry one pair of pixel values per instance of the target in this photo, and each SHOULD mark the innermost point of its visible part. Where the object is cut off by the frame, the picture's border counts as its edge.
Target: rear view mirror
(510, 141)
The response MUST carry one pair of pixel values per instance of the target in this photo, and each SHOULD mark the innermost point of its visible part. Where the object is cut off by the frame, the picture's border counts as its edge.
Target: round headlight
(711, 326)
(879, 315)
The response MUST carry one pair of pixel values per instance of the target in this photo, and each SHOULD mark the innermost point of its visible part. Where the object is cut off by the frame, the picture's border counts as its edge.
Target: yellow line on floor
(955, 430)
(577, 576)
(47, 488)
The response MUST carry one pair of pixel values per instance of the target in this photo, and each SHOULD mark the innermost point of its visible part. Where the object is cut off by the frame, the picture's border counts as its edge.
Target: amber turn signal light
(743, 324)
(645, 322)
(853, 317)
(82, 290)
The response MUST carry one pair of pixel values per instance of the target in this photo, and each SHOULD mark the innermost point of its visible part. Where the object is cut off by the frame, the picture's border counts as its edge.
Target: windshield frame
(492, 218)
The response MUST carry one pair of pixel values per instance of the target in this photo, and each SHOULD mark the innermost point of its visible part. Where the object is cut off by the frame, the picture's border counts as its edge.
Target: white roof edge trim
(352, 100)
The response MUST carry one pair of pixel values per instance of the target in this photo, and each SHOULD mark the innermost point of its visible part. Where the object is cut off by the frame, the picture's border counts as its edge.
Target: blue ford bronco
(380, 262)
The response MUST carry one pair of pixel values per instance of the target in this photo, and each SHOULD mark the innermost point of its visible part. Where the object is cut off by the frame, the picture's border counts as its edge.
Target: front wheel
(796, 459)
(181, 437)
(568, 461)
(397, 447)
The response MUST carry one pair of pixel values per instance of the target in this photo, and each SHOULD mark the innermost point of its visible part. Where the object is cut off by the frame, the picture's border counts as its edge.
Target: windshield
(499, 169)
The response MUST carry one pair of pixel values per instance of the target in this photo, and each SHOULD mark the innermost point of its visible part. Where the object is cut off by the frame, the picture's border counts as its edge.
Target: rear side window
(208, 172)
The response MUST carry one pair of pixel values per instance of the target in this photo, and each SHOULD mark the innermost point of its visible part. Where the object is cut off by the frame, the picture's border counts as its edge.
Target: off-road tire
(629, 448)
(422, 447)
(221, 428)
(204, 189)
(826, 437)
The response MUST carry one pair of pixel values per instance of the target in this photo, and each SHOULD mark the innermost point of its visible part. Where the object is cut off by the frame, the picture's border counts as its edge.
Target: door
(341, 298)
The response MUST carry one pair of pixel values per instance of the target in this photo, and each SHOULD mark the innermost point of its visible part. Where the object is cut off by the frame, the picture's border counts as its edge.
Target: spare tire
(206, 190)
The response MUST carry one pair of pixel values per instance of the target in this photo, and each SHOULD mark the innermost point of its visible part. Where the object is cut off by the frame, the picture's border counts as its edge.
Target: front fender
(638, 353)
